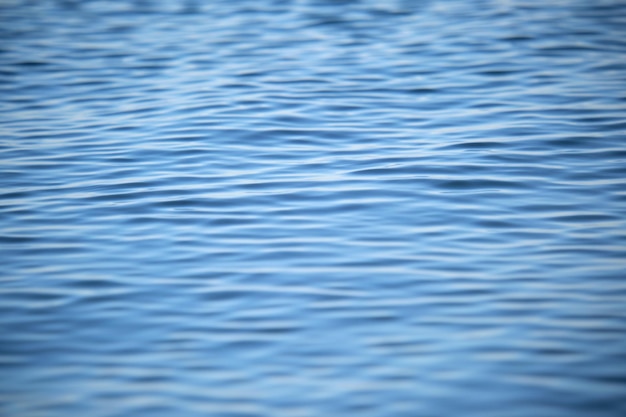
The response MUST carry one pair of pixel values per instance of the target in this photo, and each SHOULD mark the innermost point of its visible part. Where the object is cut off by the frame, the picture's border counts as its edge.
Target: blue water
(313, 208)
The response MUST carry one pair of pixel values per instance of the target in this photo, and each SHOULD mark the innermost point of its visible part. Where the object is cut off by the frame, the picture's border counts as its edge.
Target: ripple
(312, 207)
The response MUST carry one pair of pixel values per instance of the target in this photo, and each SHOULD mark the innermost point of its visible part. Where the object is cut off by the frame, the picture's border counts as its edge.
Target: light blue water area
(310, 208)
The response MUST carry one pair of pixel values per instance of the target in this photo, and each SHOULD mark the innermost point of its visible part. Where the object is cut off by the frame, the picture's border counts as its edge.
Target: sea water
(309, 208)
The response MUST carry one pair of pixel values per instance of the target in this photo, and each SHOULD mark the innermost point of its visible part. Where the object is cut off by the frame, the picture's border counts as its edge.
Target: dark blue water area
(310, 208)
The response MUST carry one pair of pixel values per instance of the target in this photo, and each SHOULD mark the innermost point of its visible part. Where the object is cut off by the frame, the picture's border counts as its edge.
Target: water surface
(313, 208)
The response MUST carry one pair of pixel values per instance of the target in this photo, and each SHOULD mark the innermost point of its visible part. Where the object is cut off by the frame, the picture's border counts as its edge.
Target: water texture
(310, 208)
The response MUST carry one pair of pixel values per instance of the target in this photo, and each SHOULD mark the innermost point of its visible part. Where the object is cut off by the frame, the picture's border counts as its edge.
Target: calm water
(313, 208)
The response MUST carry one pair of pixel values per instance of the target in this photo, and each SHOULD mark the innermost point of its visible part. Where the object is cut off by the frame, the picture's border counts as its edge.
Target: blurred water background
(308, 208)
